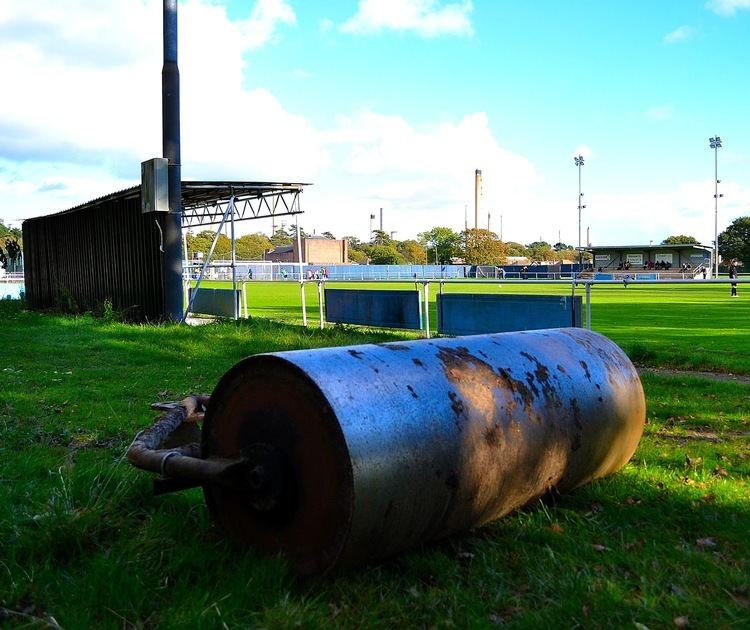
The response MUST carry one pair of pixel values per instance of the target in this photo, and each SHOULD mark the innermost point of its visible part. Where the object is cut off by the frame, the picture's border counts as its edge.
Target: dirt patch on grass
(716, 376)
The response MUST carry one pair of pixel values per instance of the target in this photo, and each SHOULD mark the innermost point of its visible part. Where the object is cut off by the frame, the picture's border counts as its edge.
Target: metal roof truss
(249, 203)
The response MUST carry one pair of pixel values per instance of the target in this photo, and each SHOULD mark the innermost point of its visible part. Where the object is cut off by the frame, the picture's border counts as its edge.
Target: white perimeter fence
(575, 285)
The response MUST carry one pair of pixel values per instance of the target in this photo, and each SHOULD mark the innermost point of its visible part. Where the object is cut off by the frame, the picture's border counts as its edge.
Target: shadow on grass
(624, 549)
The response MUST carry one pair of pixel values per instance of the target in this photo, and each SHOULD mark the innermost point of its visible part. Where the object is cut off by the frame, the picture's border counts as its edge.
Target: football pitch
(86, 544)
(688, 326)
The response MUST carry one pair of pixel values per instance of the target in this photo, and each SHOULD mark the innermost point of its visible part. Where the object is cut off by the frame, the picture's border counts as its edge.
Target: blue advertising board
(477, 314)
(387, 309)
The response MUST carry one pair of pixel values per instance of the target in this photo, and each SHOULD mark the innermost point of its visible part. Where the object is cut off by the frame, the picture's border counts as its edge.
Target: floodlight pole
(170, 119)
(715, 144)
(578, 161)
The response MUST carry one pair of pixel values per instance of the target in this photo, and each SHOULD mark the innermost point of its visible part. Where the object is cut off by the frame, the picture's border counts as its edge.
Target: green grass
(696, 327)
(85, 544)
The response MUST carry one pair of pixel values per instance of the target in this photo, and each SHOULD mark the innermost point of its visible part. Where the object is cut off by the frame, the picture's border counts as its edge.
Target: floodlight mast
(715, 144)
(578, 160)
(170, 117)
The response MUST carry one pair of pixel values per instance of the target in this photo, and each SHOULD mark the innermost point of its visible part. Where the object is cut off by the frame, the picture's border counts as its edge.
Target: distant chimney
(477, 196)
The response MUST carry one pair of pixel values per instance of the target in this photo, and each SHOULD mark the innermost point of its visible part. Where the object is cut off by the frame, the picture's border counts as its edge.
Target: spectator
(733, 276)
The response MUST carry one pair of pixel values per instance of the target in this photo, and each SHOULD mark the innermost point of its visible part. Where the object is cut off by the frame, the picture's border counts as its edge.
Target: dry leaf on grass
(706, 543)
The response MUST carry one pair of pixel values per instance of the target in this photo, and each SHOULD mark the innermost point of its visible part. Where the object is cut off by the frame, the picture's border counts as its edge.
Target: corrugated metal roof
(670, 246)
(195, 193)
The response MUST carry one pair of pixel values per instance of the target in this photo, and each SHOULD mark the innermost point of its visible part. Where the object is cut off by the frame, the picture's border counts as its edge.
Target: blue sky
(393, 104)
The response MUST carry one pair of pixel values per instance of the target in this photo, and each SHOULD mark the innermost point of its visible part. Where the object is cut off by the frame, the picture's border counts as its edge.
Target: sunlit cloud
(427, 18)
(660, 113)
(680, 34)
(727, 7)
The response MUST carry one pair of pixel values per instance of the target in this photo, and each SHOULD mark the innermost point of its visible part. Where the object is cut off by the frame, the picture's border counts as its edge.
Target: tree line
(11, 246)
(441, 245)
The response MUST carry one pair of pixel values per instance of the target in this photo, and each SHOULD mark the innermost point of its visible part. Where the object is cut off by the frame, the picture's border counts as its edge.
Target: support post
(588, 305)
(427, 310)
(235, 299)
(320, 303)
(230, 209)
(301, 279)
(185, 269)
(170, 117)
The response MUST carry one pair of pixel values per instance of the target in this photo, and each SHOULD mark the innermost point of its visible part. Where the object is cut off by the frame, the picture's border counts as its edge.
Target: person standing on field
(733, 276)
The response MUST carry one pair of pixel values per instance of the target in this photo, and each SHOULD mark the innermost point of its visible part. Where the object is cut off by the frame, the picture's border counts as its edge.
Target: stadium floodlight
(715, 144)
(578, 160)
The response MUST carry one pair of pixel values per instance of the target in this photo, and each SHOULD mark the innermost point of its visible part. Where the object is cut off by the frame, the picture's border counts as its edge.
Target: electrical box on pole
(155, 185)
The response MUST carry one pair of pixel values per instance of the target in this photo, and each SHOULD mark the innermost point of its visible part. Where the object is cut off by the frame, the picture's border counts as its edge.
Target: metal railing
(575, 284)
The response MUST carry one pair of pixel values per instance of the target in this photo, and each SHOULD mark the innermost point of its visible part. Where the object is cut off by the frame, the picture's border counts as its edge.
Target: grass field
(85, 544)
(681, 326)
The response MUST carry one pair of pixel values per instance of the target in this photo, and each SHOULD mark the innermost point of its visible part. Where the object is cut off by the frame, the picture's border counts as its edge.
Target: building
(316, 250)
(615, 257)
(110, 249)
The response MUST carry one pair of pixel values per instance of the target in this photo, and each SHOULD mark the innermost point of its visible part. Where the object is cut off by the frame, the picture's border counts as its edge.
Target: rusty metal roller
(357, 453)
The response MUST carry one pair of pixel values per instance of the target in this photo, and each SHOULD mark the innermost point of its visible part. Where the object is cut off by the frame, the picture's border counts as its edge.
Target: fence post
(427, 310)
(588, 305)
(304, 306)
(320, 303)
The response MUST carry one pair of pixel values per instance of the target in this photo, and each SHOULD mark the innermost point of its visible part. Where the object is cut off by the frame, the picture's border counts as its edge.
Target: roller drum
(365, 451)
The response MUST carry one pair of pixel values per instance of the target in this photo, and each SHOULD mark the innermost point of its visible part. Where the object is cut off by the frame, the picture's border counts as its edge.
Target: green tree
(358, 256)
(680, 239)
(539, 251)
(570, 253)
(515, 249)
(385, 255)
(201, 242)
(441, 243)
(252, 246)
(282, 237)
(482, 247)
(8, 236)
(328, 235)
(381, 237)
(412, 251)
(734, 242)
(354, 242)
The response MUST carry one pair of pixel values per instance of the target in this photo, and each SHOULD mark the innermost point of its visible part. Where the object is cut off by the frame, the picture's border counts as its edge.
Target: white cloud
(85, 111)
(87, 105)
(681, 33)
(660, 113)
(425, 17)
(260, 27)
(655, 215)
(423, 176)
(727, 7)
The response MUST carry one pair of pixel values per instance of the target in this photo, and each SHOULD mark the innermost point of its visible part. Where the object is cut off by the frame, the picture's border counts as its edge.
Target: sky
(393, 104)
